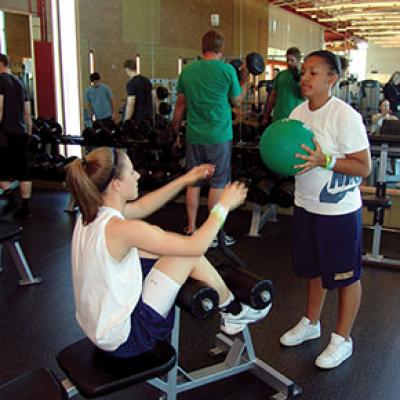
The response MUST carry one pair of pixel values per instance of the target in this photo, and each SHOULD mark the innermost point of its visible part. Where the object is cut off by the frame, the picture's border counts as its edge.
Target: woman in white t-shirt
(327, 240)
(124, 292)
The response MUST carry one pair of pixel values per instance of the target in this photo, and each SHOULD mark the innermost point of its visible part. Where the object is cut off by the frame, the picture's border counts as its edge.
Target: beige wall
(383, 60)
(18, 36)
(161, 31)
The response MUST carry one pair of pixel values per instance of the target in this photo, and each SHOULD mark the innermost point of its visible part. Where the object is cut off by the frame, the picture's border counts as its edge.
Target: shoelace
(298, 328)
(331, 350)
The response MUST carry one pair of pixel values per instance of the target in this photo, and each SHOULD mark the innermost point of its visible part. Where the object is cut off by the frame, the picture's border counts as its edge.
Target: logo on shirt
(339, 185)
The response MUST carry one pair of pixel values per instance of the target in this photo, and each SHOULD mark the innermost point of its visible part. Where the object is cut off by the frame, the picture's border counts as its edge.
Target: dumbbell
(284, 194)
(198, 299)
(247, 286)
(162, 92)
(261, 192)
(254, 62)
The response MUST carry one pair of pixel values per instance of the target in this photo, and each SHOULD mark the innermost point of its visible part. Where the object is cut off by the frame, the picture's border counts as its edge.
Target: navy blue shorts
(147, 326)
(327, 246)
(217, 154)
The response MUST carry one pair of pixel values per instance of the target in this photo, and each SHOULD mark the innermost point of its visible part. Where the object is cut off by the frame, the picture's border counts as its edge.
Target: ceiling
(352, 21)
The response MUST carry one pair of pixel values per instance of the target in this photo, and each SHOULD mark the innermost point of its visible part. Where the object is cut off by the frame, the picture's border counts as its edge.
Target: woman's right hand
(233, 195)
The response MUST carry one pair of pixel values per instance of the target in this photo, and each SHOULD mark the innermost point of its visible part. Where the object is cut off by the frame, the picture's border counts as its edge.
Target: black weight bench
(95, 373)
(40, 384)
(378, 205)
(10, 235)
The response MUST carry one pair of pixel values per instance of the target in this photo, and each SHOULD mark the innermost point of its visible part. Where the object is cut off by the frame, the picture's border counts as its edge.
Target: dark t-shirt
(140, 87)
(13, 107)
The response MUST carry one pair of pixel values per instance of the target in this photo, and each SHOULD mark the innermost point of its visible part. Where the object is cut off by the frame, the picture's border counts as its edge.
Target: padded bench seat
(374, 202)
(39, 384)
(10, 234)
(95, 373)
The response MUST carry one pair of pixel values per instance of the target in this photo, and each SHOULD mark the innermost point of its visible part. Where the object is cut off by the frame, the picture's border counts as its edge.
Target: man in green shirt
(206, 90)
(285, 94)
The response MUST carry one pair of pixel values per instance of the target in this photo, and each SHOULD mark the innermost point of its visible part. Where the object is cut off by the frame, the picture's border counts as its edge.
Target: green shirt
(208, 85)
(288, 95)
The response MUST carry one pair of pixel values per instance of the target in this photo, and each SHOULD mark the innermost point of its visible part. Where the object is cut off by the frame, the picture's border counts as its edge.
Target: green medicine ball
(281, 141)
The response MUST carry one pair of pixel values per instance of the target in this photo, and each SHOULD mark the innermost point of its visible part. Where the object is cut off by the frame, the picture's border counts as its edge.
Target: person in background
(391, 92)
(99, 102)
(206, 90)
(384, 114)
(15, 126)
(285, 94)
(139, 102)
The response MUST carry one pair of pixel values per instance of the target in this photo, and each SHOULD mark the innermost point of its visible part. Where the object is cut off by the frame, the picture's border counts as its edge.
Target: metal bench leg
(21, 264)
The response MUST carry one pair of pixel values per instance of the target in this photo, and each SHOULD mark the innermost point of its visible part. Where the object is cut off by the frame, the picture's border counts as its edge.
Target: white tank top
(106, 290)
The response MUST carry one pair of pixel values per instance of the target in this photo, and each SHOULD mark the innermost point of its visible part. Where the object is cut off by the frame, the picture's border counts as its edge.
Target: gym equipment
(255, 63)
(10, 236)
(378, 204)
(246, 286)
(164, 108)
(281, 141)
(162, 92)
(369, 98)
(284, 194)
(261, 192)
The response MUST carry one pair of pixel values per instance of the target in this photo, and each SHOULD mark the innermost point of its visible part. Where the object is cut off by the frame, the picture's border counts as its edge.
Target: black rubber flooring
(38, 321)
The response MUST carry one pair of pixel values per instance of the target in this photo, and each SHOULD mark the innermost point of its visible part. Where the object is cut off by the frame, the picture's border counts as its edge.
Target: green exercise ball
(281, 141)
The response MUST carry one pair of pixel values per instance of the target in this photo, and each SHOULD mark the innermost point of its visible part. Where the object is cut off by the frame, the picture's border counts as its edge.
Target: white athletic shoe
(338, 350)
(300, 333)
(232, 324)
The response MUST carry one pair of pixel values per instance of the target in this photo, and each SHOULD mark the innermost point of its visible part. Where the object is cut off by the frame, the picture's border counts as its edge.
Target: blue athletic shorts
(147, 326)
(217, 154)
(327, 246)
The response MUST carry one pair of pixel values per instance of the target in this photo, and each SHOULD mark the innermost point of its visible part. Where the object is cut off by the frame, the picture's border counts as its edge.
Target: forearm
(153, 201)
(28, 121)
(129, 111)
(269, 106)
(178, 118)
(354, 167)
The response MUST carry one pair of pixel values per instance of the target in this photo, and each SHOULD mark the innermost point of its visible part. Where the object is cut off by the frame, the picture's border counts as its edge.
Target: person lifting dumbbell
(206, 89)
(285, 94)
(124, 292)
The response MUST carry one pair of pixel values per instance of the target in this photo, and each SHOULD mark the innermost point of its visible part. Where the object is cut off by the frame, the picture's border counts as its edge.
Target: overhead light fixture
(380, 33)
(369, 27)
(350, 5)
(363, 15)
(377, 22)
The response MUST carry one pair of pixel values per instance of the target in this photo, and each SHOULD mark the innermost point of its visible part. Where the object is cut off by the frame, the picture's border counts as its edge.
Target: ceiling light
(350, 5)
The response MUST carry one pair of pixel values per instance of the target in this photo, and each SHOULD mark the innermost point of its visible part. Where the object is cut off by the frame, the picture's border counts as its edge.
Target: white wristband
(220, 212)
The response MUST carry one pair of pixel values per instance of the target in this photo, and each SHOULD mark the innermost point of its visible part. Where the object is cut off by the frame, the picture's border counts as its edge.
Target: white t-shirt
(106, 290)
(339, 130)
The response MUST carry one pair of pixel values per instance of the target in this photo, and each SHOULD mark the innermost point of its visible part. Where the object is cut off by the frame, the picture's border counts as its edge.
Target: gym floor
(37, 321)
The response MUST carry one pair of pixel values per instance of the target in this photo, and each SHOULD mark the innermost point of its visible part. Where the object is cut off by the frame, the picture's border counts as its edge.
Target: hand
(316, 158)
(233, 195)
(203, 171)
(244, 73)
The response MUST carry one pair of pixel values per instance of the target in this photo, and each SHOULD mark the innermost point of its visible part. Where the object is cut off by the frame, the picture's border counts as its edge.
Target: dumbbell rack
(240, 357)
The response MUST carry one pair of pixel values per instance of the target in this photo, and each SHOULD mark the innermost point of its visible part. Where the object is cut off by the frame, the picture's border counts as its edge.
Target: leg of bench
(21, 264)
(1, 257)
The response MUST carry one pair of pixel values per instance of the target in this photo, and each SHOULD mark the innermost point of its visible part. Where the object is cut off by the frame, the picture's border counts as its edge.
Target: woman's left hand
(316, 158)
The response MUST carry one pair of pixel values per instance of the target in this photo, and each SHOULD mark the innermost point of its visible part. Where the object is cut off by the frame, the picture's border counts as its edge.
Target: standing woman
(327, 237)
(124, 293)
(392, 92)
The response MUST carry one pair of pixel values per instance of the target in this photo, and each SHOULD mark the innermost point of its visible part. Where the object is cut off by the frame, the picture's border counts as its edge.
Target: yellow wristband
(220, 212)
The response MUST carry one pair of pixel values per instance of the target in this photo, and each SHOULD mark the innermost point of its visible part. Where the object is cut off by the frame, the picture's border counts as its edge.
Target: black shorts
(14, 158)
(327, 246)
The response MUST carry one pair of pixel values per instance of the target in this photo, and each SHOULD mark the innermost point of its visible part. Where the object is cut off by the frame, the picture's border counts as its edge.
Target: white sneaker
(338, 350)
(302, 332)
(232, 324)
(229, 241)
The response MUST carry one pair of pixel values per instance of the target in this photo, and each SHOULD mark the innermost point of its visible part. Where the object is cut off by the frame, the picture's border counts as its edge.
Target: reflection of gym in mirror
(16, 42)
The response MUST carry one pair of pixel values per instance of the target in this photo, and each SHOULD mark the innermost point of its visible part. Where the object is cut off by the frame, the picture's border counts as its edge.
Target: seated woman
(384, 114)
(124, 292)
